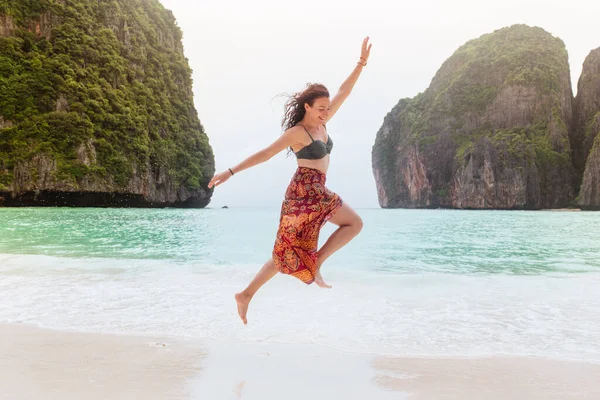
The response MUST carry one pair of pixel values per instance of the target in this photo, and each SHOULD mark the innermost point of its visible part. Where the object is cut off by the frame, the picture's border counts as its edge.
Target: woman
(308, 204)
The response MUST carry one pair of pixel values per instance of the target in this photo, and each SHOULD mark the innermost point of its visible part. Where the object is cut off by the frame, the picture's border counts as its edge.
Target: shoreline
(69, 365)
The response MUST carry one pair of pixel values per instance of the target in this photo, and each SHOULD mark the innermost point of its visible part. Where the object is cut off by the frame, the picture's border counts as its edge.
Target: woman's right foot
(243, 300)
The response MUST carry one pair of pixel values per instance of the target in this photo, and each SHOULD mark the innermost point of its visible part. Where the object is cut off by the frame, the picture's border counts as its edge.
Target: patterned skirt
(308, 204)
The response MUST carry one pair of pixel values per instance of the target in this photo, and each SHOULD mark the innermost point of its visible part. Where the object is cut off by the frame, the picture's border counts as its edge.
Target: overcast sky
(244, 53)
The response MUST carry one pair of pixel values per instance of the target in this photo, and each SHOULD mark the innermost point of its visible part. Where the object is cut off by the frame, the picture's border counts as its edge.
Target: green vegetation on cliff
(101, 87)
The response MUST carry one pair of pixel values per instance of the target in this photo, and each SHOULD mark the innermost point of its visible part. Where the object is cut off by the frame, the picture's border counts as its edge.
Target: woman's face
(319, 110)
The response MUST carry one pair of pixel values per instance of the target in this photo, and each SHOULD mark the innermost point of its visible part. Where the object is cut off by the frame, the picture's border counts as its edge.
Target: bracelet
(230, 171)
(359, 63)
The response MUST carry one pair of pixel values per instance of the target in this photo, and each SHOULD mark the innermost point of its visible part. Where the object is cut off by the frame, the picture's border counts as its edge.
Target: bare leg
(350, 225)
(263, 276)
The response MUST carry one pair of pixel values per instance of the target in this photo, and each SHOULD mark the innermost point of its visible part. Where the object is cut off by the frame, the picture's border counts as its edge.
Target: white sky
(244, 53)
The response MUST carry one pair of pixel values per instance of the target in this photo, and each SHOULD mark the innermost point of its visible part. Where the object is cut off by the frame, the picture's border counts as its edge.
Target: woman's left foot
(320, 282)
(242, 301)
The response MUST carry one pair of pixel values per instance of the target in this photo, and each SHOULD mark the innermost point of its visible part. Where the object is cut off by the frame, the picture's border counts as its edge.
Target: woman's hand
(219, 178)
(366, 50)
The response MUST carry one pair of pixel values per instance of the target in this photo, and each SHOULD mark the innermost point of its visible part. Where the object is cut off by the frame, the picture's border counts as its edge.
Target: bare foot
(319, 280)
(243, 300)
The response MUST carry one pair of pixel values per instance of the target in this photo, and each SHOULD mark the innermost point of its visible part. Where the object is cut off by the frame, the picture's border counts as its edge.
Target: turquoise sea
(414, 282)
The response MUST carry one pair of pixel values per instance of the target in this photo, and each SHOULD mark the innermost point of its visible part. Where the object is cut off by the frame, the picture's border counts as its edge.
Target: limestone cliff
(96, 107)
(490, 132)
(585, 137)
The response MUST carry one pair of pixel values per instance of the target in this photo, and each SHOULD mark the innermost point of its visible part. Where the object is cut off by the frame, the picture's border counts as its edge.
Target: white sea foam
(556, 315)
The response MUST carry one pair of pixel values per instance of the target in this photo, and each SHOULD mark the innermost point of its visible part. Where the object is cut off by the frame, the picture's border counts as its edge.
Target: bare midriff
(322, 164)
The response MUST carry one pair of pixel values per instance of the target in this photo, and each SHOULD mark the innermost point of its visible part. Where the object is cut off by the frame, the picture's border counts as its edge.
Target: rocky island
(96, 107)
(498, 128)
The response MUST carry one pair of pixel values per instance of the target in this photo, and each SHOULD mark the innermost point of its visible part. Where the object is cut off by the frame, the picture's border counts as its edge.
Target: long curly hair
(294, 107)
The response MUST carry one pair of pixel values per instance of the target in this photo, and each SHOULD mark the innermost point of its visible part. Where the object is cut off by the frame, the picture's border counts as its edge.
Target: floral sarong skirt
(307, 205)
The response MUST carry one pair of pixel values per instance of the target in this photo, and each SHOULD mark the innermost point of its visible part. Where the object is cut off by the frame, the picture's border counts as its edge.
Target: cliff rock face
(585, 138)
(96, 107)
(491, 131)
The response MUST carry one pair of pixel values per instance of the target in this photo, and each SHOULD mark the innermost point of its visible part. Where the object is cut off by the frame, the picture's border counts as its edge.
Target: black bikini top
(317, 149)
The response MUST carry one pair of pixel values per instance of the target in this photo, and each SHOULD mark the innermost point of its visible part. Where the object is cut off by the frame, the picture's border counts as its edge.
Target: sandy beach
(489, 378)
(46, 364)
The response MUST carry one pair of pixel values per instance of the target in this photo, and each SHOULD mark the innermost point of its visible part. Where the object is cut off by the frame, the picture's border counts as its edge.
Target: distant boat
(224, 207)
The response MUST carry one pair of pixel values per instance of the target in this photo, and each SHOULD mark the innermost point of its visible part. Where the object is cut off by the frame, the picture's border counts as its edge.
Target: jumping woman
(308, 203)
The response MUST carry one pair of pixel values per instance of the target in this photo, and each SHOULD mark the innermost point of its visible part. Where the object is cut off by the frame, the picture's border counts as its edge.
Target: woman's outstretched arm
(346, 87)
(287, 139)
